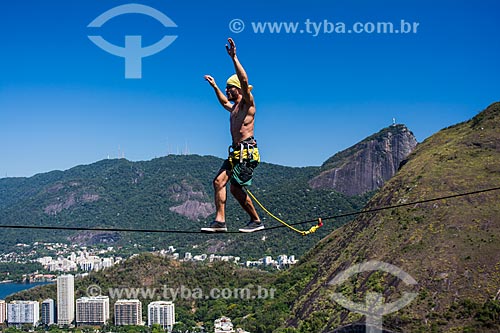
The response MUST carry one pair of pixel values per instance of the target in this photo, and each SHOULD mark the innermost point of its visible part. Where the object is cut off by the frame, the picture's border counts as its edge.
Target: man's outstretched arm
(220, 95)
(240, 72)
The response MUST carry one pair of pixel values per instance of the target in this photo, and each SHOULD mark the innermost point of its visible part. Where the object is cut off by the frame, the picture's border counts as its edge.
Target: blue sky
(65, 102)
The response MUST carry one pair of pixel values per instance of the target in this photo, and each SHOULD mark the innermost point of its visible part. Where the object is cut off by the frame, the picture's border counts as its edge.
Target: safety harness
(244, 158)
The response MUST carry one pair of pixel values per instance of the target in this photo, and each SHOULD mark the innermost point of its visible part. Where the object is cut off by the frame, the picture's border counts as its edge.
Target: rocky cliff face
(367, 165)
(193, 201)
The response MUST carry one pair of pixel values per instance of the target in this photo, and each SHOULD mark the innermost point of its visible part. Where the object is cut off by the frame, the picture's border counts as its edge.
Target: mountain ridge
(449, 247)
(367, 165)
(172, 193)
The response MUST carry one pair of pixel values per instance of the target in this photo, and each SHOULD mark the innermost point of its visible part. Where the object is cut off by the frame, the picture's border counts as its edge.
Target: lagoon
(10, 288)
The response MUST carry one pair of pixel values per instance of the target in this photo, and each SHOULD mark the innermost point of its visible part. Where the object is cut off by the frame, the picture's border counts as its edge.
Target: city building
(283, 261)
(223, 325)
(3, 311)
(162, 313)
(48, 312)
(65, 259)
(268, 260)
(65, 299)
(94, 263)
(128, 312)
(200, 257)
(23, 312)
(286, 261)
(92, 311)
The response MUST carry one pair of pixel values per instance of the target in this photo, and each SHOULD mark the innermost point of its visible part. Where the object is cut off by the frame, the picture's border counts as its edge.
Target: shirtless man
(244, 155)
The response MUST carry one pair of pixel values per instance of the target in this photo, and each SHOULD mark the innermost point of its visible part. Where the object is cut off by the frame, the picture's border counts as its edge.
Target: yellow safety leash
(302, 232)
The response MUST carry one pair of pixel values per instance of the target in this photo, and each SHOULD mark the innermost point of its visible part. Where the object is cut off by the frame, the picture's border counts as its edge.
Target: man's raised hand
(231, 49)
(210, 80)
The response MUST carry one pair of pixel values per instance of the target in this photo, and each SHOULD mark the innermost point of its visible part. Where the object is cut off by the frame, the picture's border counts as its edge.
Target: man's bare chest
(238, 115)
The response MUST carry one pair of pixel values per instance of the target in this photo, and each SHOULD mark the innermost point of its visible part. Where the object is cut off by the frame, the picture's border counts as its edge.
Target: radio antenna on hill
(168, 149)
(186, 149)
(121, 153)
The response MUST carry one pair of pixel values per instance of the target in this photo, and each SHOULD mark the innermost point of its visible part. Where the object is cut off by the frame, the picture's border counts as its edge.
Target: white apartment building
(48, 312)
(128, 312)
(83, 261)
(200, 257)
(23, 312)
(93, 311)
(268, 260)
(3, 311)
(94, 263)
(285, 261)
(162, 313)
(65, 299)
(223, 325)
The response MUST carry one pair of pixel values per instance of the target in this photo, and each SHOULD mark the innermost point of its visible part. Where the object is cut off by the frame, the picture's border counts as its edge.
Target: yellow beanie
(234, 81)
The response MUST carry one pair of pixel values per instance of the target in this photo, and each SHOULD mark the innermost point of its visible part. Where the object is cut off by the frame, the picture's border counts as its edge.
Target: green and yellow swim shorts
(243, 158)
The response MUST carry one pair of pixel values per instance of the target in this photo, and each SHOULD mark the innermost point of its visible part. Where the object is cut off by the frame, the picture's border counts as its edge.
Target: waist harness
(244, 158)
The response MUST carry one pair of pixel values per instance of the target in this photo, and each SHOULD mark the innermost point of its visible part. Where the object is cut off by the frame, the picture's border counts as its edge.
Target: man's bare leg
(245, 202)
(220, 194)
(219, 183)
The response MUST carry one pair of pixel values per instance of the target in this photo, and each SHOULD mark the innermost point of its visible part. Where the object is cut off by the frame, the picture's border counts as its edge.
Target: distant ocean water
(7, 289)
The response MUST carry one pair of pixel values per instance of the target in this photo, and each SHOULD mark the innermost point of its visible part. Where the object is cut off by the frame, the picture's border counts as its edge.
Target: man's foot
(252, 226)
(215, 226)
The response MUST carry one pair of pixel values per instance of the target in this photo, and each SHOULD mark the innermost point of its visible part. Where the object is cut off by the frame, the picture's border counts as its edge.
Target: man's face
(231, 93)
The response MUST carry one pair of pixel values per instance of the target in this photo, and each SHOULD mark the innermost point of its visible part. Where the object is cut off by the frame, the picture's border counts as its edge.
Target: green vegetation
(139, 195)
(15, 271)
